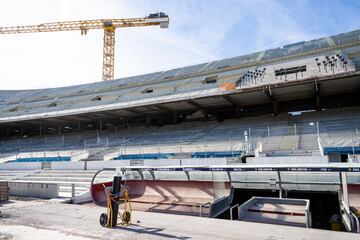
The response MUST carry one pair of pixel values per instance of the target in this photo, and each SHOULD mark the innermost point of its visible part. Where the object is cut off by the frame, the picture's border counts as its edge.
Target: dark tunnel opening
(323, 204)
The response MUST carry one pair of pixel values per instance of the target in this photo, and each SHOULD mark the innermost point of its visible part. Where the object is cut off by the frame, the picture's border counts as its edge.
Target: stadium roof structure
(199, 87)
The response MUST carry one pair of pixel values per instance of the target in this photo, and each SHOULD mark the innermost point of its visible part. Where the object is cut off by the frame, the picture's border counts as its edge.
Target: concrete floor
(38, 219)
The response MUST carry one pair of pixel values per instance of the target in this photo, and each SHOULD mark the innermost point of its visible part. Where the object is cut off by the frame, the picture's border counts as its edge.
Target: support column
(100, 125)
(148, 121)
(280, 184)
(175, 118)
(160, 121)
(317, 97)
(237, 111)
(275, 108)
(344, 189)
(272, 99)
(206, 115)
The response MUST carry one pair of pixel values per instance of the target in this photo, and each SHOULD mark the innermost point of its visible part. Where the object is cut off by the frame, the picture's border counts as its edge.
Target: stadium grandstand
(300, 100)
(292, 105)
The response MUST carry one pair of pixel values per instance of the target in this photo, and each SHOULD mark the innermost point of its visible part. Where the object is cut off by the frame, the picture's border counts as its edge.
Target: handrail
(231, 210)
(203, 205)
(357, 222)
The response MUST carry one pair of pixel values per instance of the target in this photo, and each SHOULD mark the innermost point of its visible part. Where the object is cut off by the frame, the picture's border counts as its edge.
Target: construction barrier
(4, 191)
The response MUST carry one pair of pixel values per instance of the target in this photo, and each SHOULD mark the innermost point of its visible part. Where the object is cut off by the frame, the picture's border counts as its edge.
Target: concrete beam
(133, 111)
(196, 105)
(230, 100)
(163, 108)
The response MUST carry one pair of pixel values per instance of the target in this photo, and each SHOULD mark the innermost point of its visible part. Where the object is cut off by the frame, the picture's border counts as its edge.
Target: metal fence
(330, 133)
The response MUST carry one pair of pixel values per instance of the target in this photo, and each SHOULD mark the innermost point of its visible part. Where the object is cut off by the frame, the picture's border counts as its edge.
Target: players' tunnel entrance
(323, 204)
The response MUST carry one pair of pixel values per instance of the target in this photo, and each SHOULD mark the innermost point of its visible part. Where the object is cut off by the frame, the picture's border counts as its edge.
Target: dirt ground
(39, 219)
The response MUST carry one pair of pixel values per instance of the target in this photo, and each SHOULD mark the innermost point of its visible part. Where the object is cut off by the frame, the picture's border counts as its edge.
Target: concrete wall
(68, 165)
(20, 166)
(37, 190)
(95, 165)
(288, 160)
(204, 161)
(6, 159)
(162, 162)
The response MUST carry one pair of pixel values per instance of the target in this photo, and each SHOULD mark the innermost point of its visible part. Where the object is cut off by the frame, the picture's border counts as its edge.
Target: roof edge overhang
(179, 97)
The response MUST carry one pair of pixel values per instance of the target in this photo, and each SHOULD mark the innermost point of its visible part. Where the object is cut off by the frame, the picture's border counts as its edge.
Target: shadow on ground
(153, 231)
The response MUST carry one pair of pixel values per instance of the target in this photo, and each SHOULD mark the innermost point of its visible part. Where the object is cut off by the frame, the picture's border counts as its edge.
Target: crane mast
(108, 25)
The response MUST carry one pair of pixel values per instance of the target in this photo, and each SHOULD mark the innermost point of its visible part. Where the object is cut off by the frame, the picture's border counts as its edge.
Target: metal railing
(327, 132)
(202, 206)
(231, 211)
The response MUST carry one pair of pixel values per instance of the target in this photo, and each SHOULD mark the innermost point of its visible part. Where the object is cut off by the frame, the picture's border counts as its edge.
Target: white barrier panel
(67, 165)
(75, 155)
(96, 165)
(37, 190)
(6, 159)
(162, 162)
(20, 166)
(288, 160)
(203, 161)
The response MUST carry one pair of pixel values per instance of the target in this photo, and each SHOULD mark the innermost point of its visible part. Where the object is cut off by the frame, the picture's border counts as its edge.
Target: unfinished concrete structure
(297, 104)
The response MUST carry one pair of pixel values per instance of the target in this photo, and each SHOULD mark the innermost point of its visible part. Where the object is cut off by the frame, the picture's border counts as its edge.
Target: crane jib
(109, 25)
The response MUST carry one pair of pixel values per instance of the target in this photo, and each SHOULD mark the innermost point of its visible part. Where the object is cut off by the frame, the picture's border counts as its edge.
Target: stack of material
(4, 191)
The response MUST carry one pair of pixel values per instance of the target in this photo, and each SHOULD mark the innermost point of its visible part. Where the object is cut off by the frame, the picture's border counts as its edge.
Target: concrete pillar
(175, 118)
(317, 97)
(237, 111)
(148, 120)
(100, 125)
(160, 121)
(206, 115)
(275, 107)
(317, 103)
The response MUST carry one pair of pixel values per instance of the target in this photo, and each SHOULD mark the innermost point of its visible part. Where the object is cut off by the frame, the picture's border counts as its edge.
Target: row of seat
(338, 127)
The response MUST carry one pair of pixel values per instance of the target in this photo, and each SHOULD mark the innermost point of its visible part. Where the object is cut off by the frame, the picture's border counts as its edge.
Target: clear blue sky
(199, 31)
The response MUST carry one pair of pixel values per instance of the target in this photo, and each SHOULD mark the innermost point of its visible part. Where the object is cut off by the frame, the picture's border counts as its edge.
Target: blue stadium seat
(216, 154)
(148, 156)
(43, 159)
(342, 150)
(145, 156)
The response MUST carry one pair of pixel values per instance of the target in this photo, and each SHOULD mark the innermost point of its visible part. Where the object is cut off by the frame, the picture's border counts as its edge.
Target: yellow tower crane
(108, 25)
